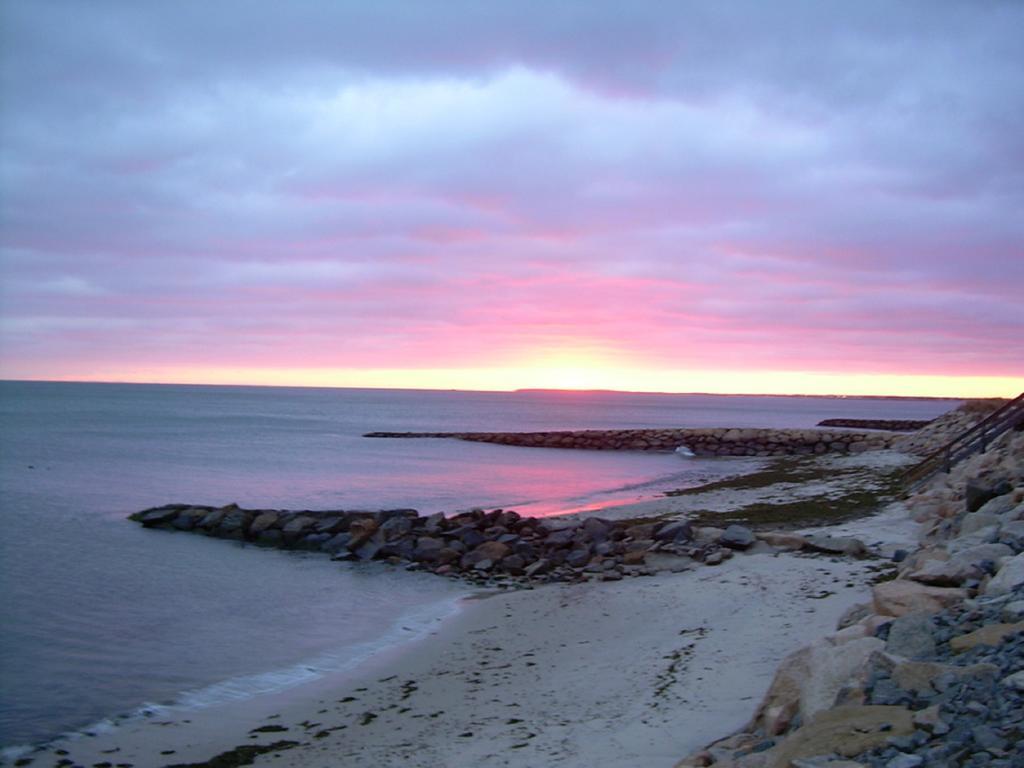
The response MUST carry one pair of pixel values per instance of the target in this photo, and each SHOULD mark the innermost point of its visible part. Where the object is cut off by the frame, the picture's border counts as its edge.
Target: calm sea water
(101, 617)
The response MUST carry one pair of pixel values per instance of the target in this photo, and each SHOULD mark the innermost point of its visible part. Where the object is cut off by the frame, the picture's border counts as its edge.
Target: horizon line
(517, 390)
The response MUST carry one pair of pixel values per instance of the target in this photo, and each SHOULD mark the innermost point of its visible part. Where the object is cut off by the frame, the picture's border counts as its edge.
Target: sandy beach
(636, 672)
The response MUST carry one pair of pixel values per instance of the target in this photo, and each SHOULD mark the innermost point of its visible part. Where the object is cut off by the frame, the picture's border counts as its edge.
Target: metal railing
(971, 441)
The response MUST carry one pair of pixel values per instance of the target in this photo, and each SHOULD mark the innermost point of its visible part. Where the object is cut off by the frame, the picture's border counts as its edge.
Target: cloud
(396, 184)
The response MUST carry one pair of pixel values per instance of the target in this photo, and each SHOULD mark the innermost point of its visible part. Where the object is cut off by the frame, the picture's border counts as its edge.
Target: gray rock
(234, 521)
(428, 549)
(976, 521)
(1013, 611)
(987, 535)
(905, 760)
(715, 558)
(837, 545)
(675, 531)
(988, 739)
(212, 519)
(537, 568)
(597, 529)
(978, 554)
(737, 537)
(434, 523)
(912, 636)
(853, 614)
(946, 573)
(264, 521)
(1012, 535)
(395, 527)
(188, 519)
(332, 524)
(578, 558)
(369, 548)
(514, 564)
(159, 515)
(270, 538)
(1014, 681)
(976, 494)
(337, 543)
(1000, 505)
(560, 538)
(1009, 577)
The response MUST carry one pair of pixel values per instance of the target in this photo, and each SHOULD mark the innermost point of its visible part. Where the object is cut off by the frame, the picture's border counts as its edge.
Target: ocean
(103, 619)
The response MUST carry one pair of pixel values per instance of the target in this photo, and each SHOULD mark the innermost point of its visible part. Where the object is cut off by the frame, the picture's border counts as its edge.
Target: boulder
(332, 524)
(339, 543)
(158, 515)
(830, 668)
(434, 523)
(1009, 577)
(212, 519)
(911, 636)
(987, 535)
(737, 537)
(836, 545)
(976, 494)
(1012, 535)
(578, 558)
(674, 531)
(634, 557)
(598, 529)
(1014, 681)
(853, 614)
(982, 553)
(428, 549)
(991, 634)
(369, 548)
(976, 521)
(297, 527)
(1000, 505)
(361, 529)
(560, 538)
(395, 527)
(537, 568)
(926, 678)
(845, 730)
(234, 523)
(188, 519)
(900, 597)
(263, 521)
(781, 702)
(513, 564)
(313, 540)
(269, 538)
(948, 573)
(492, 550)
(642, 531)
(783, 540)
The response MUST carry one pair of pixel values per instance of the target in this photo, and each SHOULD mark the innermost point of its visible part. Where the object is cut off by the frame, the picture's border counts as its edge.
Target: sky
(795, 197)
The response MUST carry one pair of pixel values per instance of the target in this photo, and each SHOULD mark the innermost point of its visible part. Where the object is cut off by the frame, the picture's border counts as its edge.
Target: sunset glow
(505, 203)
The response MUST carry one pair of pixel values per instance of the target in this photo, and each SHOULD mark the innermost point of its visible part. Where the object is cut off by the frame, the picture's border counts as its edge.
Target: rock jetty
(930, 673)
(718, 441)
(498, 548)
(892, 425)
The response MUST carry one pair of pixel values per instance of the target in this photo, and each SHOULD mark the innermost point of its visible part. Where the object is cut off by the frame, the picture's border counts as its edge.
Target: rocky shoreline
(931, 671)
(891, 425)
(717, 441)
(499, 548)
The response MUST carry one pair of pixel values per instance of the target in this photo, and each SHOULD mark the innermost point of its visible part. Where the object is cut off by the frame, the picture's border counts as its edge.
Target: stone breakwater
(930, 673)
(892, 425)
(701, 441)
(498, 548)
